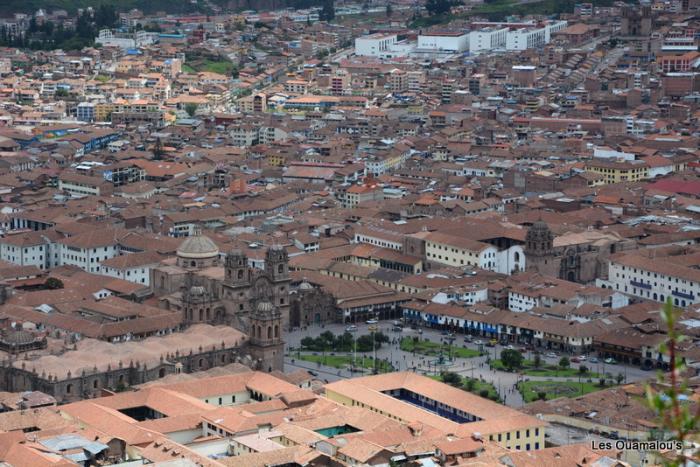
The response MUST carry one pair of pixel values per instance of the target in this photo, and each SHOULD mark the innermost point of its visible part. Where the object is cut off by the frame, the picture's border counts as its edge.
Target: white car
(372, 321)
(351, 328)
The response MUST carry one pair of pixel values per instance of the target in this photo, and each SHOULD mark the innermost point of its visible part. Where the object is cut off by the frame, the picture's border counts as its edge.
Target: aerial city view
(343, 233)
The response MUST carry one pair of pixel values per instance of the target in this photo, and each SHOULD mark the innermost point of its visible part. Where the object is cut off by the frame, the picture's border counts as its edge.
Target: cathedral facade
(207, 287)
(576, 257)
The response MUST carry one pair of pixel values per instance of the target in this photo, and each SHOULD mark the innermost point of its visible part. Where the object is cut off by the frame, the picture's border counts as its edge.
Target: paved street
(477, 367)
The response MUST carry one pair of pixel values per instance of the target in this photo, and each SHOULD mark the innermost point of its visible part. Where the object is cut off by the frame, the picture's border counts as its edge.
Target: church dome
(305, 286)
(197, 247)
(17, 337)
(265, 307)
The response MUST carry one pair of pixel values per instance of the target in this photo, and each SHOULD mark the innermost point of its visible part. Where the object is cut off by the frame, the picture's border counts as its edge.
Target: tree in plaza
(469, 385)
(511, 359)
(344, 342)
(451, 378)
(564, 363)
(582, 370)
(308, 342)
(537, 360)
(326, 340)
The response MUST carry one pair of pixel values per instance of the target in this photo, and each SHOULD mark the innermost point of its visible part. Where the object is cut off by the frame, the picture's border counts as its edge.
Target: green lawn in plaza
(432, 349)
(345, 361)
(533, 390)
(545, 369)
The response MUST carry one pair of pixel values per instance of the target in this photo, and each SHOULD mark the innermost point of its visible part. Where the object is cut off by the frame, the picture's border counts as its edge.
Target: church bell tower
(265, 334)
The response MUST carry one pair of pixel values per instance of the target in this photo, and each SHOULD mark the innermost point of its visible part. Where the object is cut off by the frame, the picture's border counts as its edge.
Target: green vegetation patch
(536, 390)
(528, 368)
(433, 349)
(346, 361)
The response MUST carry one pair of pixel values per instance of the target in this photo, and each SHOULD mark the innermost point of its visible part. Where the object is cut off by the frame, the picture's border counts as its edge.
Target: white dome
(198, 247)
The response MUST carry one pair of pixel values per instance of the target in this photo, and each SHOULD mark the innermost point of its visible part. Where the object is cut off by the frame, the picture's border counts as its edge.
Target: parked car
(582, 358)
(610, 361)
(468, 338)
(372, 321)
(479, 342)
(575, 360)
(593, 360)
(551, 355)
(351, 328)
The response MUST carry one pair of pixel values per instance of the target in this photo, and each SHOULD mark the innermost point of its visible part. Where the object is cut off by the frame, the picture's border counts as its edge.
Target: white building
(444, 42)
(459, 251)
(466, 295)
(520, 302)
(552, 27)
(608, 153)
(89, 249)
(108, 38)
(134, 267)
(486, 39)
(526, 38)
(382, 46)
(656, 274)
(35, 248)
(377, 236)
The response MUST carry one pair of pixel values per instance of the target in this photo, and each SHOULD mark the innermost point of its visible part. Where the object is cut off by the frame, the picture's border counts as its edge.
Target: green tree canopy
(564, 363)
(512, 359)
(440, 7)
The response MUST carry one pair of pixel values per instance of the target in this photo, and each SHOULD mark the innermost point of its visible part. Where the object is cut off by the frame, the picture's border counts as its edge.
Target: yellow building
(616, 171)
(275, 159)
(104, 111)
(412, 398)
